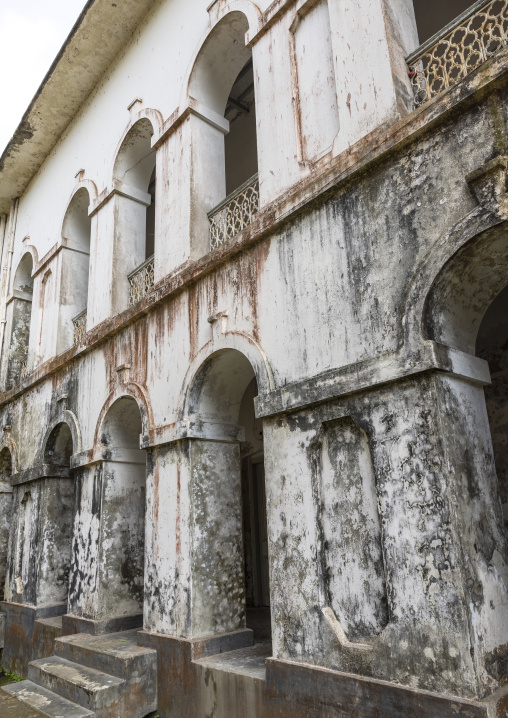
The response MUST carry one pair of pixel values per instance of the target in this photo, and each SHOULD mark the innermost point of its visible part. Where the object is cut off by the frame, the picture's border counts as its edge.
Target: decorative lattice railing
(141, 280)
(79, 323)
(458, 49)
(234, 213)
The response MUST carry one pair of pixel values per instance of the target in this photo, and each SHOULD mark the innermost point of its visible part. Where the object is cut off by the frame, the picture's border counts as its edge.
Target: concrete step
(46, 702)
(45, 632)
(86, 686)
(116, 653)
(249, 661)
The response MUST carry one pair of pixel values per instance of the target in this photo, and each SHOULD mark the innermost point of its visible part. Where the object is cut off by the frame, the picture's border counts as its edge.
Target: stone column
(39, 557)
(106, 586)
(194, 539)
(118, 247)
(17, 334)
(73, 294)
(479, 525)
(5, 527)
(191, 181)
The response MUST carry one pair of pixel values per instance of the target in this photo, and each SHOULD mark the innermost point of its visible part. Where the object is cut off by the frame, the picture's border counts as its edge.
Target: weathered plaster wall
(386, 541)
(421, 560)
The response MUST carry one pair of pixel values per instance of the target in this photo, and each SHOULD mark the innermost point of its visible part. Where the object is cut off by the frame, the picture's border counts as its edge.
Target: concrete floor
(12, 708)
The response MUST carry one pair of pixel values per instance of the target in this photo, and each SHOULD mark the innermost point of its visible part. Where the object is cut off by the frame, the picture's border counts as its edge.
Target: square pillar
(371, 39)
(194, 576)
(106, 586)
(191, 181)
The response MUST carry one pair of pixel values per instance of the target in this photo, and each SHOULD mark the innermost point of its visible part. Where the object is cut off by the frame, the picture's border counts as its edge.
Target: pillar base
(95, 627)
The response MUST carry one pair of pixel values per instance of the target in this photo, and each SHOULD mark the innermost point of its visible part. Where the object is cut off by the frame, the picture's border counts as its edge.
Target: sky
(32, 33)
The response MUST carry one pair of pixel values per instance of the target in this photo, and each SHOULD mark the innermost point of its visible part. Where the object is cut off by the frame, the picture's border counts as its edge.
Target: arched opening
(76, 231)
(58, 449)
(466, 310)
(240, 147)
(433, 15)
(135, 170)
(56, 512)
(121, 581)
(492, 345)
(5, 513)
(228, 481)
(222, 81)
(20, 315)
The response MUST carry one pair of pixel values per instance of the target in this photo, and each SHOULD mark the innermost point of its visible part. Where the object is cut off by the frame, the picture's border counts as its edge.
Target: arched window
(135, 183)
(76, 232)
(20, 317)
(222, 81)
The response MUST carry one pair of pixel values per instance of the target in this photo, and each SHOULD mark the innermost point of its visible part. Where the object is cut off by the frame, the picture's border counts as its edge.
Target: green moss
(6, 677)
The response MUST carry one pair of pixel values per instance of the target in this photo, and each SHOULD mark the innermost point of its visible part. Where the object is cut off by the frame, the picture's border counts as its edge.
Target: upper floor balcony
(458, 48)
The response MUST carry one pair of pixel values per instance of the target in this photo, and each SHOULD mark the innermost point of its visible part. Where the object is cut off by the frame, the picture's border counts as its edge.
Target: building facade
(254, 363)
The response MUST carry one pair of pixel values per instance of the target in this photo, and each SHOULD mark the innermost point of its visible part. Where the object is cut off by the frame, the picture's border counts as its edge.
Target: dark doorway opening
(492, 345)
(255, 525)
(433, 15)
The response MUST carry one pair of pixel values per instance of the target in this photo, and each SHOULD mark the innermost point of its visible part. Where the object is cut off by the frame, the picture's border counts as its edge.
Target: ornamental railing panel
(458, 49)
(79, 323)
(234, 213)
(141, 280)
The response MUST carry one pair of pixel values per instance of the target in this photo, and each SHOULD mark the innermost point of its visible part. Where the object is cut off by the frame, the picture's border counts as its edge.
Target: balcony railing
(458, 49)
(234, 213)
(79, 323)
(140, 281)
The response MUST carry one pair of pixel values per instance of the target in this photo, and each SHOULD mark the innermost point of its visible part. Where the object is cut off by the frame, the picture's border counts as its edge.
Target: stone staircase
(106, 676)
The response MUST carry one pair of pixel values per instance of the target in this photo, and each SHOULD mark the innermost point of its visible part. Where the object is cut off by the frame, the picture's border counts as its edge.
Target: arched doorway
(41, 533)
(231, 575)
(121, 564)
(5, 513)
(56, 508)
